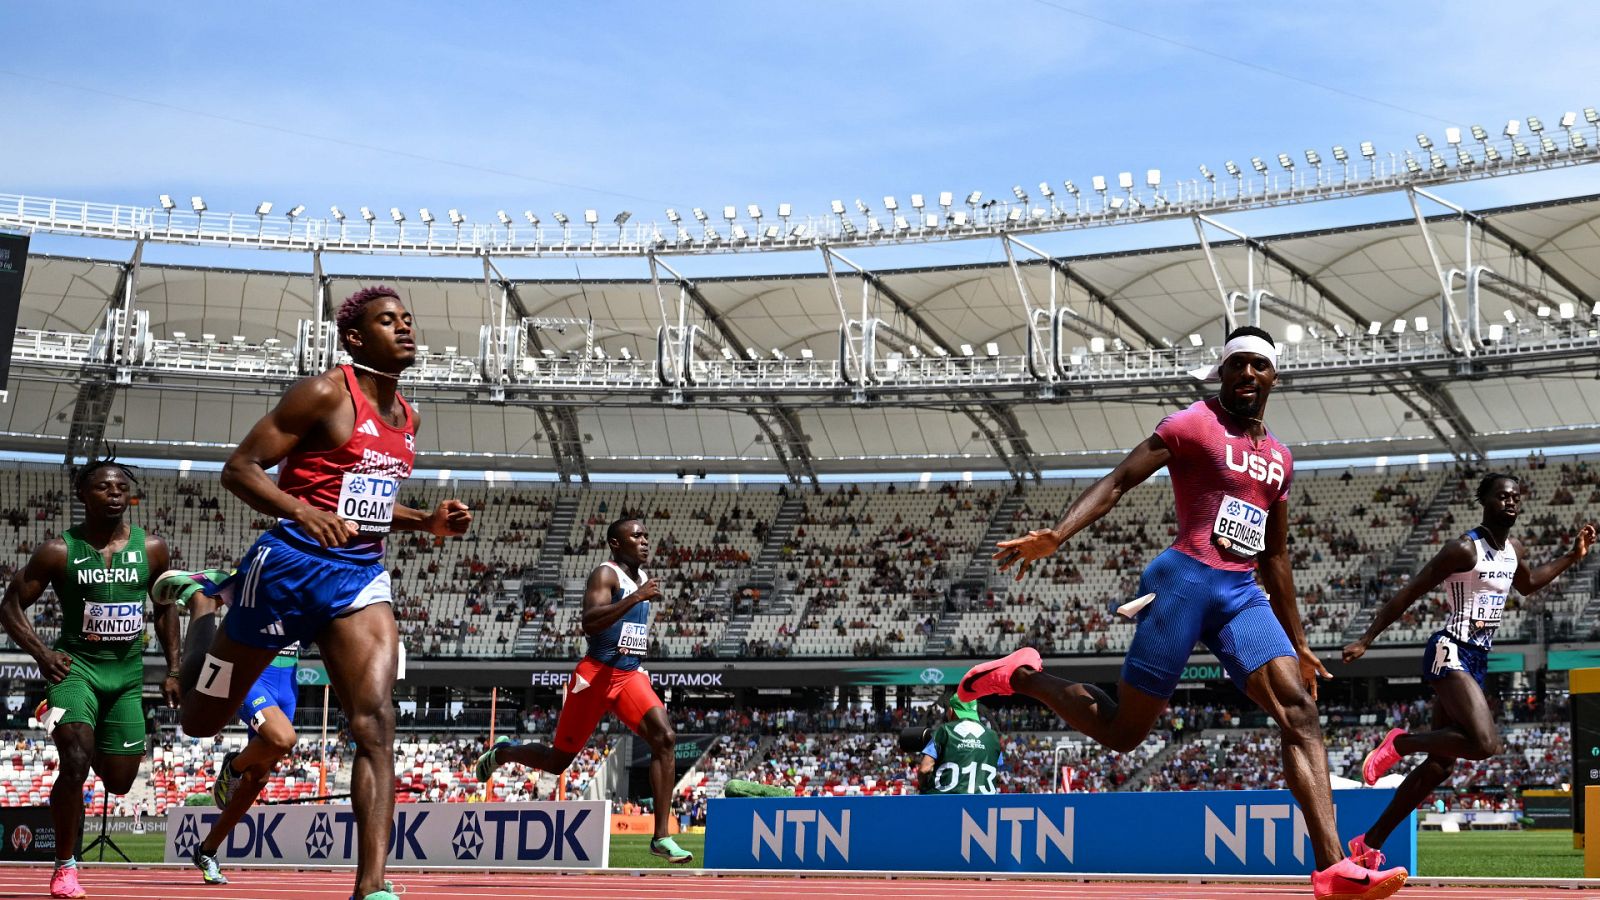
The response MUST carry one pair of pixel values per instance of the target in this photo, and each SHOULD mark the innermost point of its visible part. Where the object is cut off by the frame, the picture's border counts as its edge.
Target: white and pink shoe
(1382, 758)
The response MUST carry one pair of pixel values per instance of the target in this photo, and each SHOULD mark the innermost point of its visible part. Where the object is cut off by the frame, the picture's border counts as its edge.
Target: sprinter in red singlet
(345, 441)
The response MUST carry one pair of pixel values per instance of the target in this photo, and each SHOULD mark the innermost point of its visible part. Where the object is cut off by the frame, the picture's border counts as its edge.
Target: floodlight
(772, 232)
(807, 354)
(1496, 331)
(1125, 180)
(1576, 140)
(1232, 167)
(1568, 309)
(1479, 133)
(1491, 153)
(1436, 161)
(626, 353)
(966, 350)
(396, 215)
(1339, 153)
(891, 204)
(1399, 326)
(1368, 150)
(1412, 165)
(591, 217)
(367, 215)
(456, 218)
(1099, 183)
(1519, 149)
(754, 212)
(1097, 344)
(1374, 328)
(941, 352)
(1015, 215)
(264, 208)
(1258, 165)
(930, 220)
(197, 204)
(1313, 158)
(1452, 135)
(917, 202)
(1044, 189)
(974, 197)
(785, 210)
(1286, 161)
(561, 218)
(1511, 317)
(1071, 188)
(673, 217)
(700, 215)
(958, 219)
(730, 213)
(1424, 142)
(296, 211)
(338, 214)
(798, 232)
(739, 234)
(1196, 340)
(1463, 158)
(179, 335)
(683, 236)
(239, 339)
(1590, 115)
(838, 207)
(1546, 145)
(900, 224)
(861, 207)
(1295, 332)
(1543, 312)
(993, 349)
(727, 354)
(1513, 128)
(599, 352)
(1206, 173)
(1116, 202)
(1420, 323)
(622, 218)
(166, 202)
(946, 199)
(1152, 177)
(1569, 119)
(504, 219)
(1534, 125)
(532, 219)
(1021, 194)
(425, 215)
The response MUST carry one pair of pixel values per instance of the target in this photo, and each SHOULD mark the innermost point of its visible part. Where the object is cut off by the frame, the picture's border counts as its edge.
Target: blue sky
(643, 106)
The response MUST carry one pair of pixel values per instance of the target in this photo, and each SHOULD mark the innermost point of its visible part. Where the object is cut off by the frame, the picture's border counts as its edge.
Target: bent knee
(279, 742)
(118, 784)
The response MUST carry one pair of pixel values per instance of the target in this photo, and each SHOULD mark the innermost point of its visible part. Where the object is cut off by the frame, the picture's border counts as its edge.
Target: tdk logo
(187, 837)
(467, 842)
(539, 835)
(319, 837)
(831, 832)
(1237, 838)
(1017, 818)
(1256, 466)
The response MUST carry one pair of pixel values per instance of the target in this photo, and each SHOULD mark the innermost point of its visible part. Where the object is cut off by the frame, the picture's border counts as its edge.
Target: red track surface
(108, 883)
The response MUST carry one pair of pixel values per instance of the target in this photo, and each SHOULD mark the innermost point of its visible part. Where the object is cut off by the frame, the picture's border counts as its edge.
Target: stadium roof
(1350, 277)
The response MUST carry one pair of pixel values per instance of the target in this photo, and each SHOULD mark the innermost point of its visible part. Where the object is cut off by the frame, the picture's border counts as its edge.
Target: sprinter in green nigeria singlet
(101, 570)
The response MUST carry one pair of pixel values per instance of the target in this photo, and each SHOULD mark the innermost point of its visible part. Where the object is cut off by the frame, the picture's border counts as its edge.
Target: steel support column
(559, 421)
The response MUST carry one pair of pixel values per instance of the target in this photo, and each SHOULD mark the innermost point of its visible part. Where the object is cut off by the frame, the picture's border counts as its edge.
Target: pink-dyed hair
(349, 315)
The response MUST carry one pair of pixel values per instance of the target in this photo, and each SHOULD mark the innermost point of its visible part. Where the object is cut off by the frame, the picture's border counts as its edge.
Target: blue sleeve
(931, 750)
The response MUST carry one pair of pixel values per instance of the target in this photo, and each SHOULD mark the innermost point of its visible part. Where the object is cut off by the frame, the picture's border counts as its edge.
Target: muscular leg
(1471, 734)
(656, 729)
(1277, 689)
(362, 656)
(272, 742)
(75, 744)
(535, 756)
(1121, 727)
(203, 620)
(210, 703)
(1421, 782)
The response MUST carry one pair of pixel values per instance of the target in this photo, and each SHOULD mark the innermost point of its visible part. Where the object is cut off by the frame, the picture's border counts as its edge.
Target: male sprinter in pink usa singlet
(345, 440)
(1231, 480)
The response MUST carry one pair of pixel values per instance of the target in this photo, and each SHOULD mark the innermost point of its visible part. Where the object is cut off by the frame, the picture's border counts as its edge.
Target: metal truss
(560, 423)
(1497, 157)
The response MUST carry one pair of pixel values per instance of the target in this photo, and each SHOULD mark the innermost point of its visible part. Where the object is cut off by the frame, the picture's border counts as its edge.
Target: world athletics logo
(468, 839)
(188, 836)
(319, 837)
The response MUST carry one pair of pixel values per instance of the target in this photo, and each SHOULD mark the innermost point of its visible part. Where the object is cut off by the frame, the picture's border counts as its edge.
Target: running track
(160, 883)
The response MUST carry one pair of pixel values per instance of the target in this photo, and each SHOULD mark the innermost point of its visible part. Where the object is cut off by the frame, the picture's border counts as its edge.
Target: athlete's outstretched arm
(166, 621)
(1277, 579)
(303, 410)
(1527, 580)
(599, 613)
(26, 587)
(1138, 465)
(1456, 556)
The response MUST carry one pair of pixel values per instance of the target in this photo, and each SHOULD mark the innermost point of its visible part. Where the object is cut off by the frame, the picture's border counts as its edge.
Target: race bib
(635, 639)
(1241, 527)
(113, 621)
(368, 501)
(1486, 609)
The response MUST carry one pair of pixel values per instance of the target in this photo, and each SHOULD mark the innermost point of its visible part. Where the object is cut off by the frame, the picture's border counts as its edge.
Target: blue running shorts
(287, 591)
(275, 687)
(1444, 654)
(1227, 611)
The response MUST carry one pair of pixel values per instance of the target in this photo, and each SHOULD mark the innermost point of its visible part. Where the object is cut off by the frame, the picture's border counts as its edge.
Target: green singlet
(102, 629)
(967, 755)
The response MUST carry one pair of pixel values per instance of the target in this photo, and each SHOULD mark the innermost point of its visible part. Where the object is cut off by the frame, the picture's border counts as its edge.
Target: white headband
(1245, 343)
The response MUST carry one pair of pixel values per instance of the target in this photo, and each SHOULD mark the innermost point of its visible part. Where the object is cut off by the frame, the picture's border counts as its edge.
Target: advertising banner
(1169, 833)
(26, 833)
(575, 834)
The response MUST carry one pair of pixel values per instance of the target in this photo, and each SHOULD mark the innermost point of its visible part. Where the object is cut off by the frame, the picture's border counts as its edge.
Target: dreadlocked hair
(81, 475)
(1486, 486)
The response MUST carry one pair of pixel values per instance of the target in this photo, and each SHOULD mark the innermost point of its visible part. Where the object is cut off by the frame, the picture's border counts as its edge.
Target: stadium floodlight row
(950, 217)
